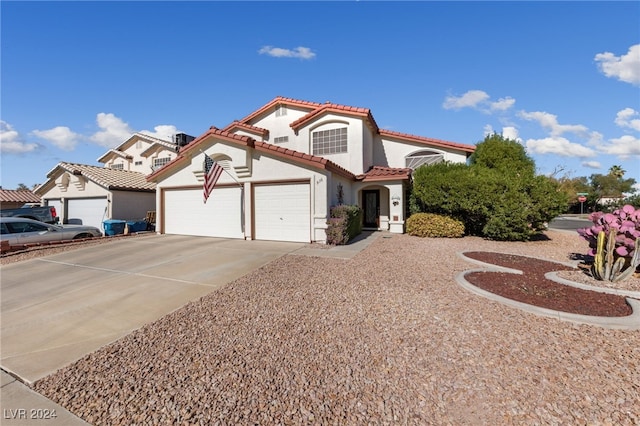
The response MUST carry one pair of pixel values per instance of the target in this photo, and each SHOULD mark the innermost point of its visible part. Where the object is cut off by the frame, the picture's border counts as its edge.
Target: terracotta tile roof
(262, 133)
(427, 141)
(378, 173)
(328, 108)
(295, 156)
(18, 196)
(123, 180)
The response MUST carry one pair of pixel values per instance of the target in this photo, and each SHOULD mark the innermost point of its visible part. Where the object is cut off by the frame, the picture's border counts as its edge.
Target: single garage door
(86, 211)
(186, 214)
(282, 212)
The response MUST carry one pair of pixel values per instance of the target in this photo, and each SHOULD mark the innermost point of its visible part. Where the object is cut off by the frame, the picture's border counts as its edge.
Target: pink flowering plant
(619, 240)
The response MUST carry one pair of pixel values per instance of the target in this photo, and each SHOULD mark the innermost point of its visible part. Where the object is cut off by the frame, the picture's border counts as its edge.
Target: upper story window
(159, 162)
(421, 158)
(281, 139)
(117, 166)
(332, 141)
(281, 110)
(138, 163)
(138, 144)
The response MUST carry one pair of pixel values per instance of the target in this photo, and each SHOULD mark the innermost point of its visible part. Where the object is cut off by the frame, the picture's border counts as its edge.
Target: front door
(371, 208)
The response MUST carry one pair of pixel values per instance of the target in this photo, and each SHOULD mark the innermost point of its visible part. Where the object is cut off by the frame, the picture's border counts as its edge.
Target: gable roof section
(124, 145)
(427, 141)
(279, 100)
(122, 180)
(278, 151)
(379, 173)
(329, 108)
(317, 110)
(18, 196)
(237, 125)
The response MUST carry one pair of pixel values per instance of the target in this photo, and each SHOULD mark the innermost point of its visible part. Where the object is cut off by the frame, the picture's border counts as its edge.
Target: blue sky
(561, 77)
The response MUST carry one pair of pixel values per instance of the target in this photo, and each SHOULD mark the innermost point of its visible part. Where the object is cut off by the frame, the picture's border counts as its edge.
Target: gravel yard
(387, 337)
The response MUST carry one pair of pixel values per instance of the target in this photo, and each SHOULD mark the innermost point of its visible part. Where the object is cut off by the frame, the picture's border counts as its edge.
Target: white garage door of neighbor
(282, 212)
(86, 211)
(186, 214)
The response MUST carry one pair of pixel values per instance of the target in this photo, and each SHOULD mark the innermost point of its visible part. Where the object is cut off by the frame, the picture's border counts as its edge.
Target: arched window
(420, 158)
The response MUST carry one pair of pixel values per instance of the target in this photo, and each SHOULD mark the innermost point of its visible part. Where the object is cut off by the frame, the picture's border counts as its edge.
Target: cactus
(607, 265)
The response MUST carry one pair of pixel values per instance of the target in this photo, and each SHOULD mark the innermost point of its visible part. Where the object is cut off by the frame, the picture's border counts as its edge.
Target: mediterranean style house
(286, 164)
(118, 189)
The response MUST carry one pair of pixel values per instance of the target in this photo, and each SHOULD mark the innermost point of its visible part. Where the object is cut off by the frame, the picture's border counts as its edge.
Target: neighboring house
(118, 190)
(13, 199)
(287, 163)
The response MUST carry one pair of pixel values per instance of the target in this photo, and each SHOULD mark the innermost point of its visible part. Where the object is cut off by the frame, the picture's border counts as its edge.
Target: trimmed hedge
(345, 223)
(434, 226)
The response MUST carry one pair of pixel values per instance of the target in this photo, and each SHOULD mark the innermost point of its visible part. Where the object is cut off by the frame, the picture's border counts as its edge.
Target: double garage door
(280, 212)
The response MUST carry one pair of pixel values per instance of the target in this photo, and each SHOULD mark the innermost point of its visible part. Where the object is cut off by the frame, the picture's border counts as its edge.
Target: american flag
(212, 172)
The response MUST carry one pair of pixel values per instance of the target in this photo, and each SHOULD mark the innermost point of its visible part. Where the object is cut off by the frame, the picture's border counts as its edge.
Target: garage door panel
(282, 212)
(86, 211)
(186, 214)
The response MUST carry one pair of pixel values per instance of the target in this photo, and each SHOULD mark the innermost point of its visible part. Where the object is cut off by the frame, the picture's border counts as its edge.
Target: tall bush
(498, 196)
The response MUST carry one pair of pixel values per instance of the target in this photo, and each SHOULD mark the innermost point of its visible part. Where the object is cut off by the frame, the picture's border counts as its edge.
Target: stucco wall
(392, 153)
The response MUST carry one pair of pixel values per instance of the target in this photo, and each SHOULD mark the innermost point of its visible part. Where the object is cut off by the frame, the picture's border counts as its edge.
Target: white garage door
(186, 214)
(86, 211)
(282, 212)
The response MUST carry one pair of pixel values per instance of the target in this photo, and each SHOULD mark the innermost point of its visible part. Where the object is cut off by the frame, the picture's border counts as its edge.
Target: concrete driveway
(57, 309)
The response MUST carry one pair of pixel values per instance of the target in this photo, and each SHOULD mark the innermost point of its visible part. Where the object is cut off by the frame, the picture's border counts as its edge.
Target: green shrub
(344, 225)
(498, 196)
(434, 226)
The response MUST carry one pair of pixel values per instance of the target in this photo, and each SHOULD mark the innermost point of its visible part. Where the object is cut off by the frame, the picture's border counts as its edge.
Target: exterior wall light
(395, 199)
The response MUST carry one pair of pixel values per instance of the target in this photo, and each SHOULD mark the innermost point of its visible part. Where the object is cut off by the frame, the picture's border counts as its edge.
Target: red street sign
(582, 198)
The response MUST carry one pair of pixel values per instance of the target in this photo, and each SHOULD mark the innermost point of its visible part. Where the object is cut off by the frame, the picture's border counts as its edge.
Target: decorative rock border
(630, 322)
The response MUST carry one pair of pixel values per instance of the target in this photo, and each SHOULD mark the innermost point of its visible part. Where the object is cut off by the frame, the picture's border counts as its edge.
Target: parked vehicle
(18, 230)
(46, 214)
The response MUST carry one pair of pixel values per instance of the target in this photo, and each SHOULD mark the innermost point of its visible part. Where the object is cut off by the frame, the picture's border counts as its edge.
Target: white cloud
(300, 52)
(592, 164)
(163, 131)
(60, 136)
(502, 104)
(625, 67)
(10, 142)
(471, 99)
(114, 130)
(478, 100)
(488, 130)
(623, 147)
(510, 132)
(625, 118)
(550, 122)
(560, 146)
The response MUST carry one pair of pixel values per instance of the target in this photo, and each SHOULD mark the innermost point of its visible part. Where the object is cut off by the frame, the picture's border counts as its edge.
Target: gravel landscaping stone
(387, 337)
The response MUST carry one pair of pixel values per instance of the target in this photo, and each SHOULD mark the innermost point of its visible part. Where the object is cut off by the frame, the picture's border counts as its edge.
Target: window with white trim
(332, 141)
(281, 139)
(117, 166)
(138, 163)
(159, 162)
